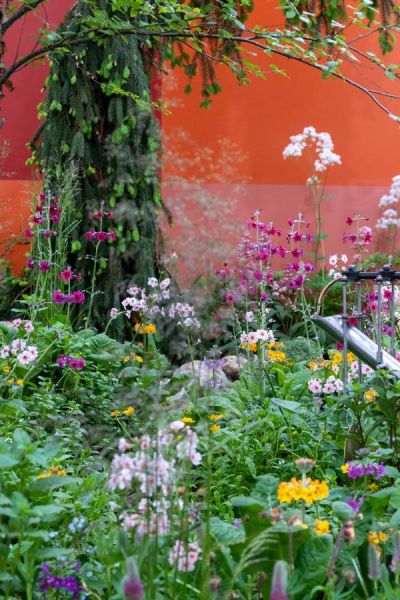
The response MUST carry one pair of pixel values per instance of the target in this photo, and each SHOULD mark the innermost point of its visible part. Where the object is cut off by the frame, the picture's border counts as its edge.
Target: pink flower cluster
(360, 239)
(267, 266)
(261, 335)
(156, 301)
(184, 555)
(68, 275)
(100, 236)
(47, 204)
(100, 214)
(27, 325)
(76, 364)
(332, 385)
(155, 466)
(76, 297)
(24, 354)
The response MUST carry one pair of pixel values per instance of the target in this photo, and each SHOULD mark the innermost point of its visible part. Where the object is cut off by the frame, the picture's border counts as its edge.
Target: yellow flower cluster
(214, 427)
(276, 345)
(188, 420)
(19, 382)
(344, 468)
(370, 395)
(216, 417)
(337, 358)
(127, 412)
(52, 471)
(308, 490)
(136, 357)
(276, 356)
(377, 537)
(143, 329)
(6, 369)
(319, 363)
(321, 527)
(252, 347)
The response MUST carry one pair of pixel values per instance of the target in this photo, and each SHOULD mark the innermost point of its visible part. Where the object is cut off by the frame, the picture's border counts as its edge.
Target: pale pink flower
(5, 352)
(16, 323)
(29, 328)
(314, 385)
(249, 316)
(329, 388)
(176, 425)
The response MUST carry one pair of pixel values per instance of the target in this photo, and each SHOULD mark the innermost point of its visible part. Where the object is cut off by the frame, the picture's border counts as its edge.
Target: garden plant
(155, 447)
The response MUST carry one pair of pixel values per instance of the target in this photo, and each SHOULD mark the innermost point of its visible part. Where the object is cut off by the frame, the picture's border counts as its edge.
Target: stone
(233, 365)
(204, 375)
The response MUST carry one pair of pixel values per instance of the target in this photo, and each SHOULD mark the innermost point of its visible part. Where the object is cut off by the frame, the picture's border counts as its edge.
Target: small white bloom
(29, 327)
(16, 323)
(152, 282)
(176, 425)
(165, 283)
(249, 316)
(333, 260)
(5, 352)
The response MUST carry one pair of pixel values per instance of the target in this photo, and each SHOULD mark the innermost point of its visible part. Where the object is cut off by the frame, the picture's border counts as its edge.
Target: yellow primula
(216, 417)
(188, 420)
(6, 369)
(20, 382)
(52, 471)
(115, 413)
(321, 527)
(276, 356)
(129, 411)
(370, 395)
(344, 468)
(373, 487)
(214, 427)
(377, 537)
(307, 490)
(337, 358)
(251, 346)
(138, 358)
(150, 328)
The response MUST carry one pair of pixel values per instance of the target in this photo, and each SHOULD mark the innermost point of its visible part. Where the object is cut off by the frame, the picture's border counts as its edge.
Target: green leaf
(51, 483)
(289, 405)
(343, 510)
(225, 533)
(7, 461)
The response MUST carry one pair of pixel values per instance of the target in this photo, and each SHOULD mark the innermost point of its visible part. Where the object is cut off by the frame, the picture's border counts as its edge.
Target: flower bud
(132, 586)
(374, 562)
(279, 581)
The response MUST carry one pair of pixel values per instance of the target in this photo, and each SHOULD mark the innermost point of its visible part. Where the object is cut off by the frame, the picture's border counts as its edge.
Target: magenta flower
(44, 266)
(30, 263)
(47, 234)
(90, 235)
(59, 297)
(28, 233)
(77, 297)
(66, 275)
(76, 364)
(101, 236)
(355, 504)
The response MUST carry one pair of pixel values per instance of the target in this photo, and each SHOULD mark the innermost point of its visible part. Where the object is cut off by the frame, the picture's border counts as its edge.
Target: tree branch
(252, 39)
(18, 14)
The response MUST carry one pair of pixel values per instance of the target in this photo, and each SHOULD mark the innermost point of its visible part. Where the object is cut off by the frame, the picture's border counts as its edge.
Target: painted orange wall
(259, 119)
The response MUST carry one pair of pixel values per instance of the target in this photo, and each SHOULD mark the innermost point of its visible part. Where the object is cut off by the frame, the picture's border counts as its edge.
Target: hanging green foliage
(98, 113)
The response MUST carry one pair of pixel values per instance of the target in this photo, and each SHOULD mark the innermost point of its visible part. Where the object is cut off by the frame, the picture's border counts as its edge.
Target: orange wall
(259, 119)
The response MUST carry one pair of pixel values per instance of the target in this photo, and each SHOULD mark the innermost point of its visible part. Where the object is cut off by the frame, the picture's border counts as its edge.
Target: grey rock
(233, 365)
(199, 373)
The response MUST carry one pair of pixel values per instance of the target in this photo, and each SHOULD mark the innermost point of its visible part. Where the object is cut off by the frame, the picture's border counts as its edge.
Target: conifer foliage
(98, 113)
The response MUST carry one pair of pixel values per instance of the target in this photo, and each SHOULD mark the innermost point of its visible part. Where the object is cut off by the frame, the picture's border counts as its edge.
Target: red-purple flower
(59, 297)
(76, 364)
(44, 266)
(77, 297)
(66, 275)
(30, 263)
